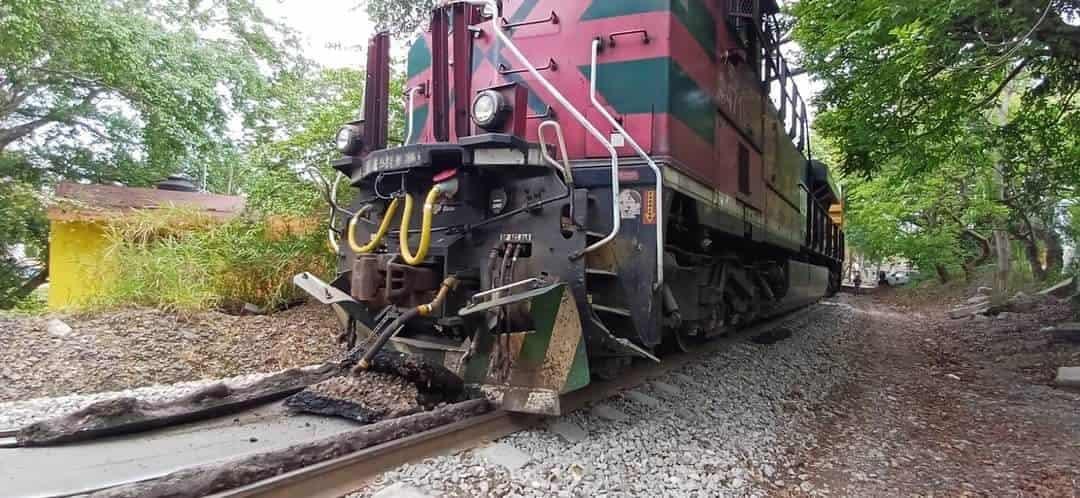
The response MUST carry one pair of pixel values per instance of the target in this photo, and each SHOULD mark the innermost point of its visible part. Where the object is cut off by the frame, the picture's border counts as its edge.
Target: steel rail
(7, 438)
(341, 476)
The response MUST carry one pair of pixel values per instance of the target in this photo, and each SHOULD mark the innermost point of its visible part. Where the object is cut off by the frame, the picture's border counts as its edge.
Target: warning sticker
(650, 208)
(629, 204)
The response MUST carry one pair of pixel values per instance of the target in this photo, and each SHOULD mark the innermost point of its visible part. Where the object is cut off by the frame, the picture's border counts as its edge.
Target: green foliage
(182, 260)
(403, 18)
(282, 192)
(903, 79)
(141, 80)
(124, 91)
(951, 120)
(24, 228)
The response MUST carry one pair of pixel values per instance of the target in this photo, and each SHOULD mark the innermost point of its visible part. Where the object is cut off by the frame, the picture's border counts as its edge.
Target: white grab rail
(409, 112)
(501, 35)
(568, 175)
(641, 152)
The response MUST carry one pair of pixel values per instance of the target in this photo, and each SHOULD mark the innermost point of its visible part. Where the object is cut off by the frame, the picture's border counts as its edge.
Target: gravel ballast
(713, 427)
(126, 349)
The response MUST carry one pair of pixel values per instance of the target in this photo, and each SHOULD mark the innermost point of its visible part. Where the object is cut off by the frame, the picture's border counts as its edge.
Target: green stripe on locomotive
(693, 14)
(676, 94)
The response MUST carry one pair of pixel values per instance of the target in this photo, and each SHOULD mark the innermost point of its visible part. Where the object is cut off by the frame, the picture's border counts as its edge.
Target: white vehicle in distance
(900, 277)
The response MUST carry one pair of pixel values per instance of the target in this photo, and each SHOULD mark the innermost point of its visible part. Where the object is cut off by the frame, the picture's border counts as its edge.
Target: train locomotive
(581, 183)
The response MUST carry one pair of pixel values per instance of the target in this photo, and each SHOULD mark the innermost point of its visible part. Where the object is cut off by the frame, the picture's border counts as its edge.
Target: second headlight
(490, 110)
(349, 139)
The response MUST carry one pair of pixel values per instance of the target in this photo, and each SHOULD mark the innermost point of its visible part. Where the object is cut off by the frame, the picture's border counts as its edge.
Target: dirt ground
(945, 407)
(116, 350)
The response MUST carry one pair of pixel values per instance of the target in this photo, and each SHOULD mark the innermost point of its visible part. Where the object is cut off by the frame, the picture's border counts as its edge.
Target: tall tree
(403, 18)
(126, 91)
(909, 87)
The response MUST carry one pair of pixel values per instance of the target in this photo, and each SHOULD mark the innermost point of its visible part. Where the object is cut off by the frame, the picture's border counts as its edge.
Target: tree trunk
(1003, 251)
(31, 285)
(942, 273)
(1055, 253)
(1001, 237)
(985, 251)
(1031, 250)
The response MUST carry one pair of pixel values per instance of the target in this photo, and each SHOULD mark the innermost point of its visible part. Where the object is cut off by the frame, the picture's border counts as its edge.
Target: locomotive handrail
(330, 193)
(578, 116)
(568, 175)
(553, 19)
(409, 112)
(775, 68)
(528, 281)
(597, 43)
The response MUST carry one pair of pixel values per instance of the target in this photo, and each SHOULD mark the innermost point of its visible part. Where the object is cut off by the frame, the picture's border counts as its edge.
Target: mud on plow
(527, 350)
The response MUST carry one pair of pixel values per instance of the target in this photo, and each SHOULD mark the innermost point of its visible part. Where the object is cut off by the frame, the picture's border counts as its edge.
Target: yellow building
(79, 218)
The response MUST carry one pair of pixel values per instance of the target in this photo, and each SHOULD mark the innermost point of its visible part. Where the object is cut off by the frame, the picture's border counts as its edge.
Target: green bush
(183, 260)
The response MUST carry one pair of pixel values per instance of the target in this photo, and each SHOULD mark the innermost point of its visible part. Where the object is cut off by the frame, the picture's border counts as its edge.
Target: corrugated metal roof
(84, 201)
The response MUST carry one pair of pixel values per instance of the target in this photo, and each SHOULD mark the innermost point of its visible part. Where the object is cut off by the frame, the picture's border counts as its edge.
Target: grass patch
(187, 261)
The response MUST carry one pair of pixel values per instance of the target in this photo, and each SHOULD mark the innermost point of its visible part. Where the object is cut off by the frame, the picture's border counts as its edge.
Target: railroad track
(340, 476)
(196, 444)
(7, 438)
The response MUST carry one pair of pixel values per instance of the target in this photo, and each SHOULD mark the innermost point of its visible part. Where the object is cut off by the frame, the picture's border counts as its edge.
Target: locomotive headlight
(490, 110)
(348, 140)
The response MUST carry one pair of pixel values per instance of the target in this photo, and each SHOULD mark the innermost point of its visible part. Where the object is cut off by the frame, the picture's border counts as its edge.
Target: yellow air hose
(383, 228)
(425, 228)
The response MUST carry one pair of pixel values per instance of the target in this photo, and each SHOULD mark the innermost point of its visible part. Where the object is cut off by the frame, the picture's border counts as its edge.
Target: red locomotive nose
(445, 175)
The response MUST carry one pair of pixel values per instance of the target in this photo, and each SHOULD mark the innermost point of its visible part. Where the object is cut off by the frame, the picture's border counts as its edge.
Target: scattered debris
(1062, 289)
(366, 397)
(505, 455)
(430, 377)
(968, 311)
(608, 412)
(252, 309)
(772, 336)
(569, 431)
(401, 490)
(1068, 377)
(395, 384)
(128, 415)
(639, 397)
(666, 390)
(58, 328)
(1064, 332)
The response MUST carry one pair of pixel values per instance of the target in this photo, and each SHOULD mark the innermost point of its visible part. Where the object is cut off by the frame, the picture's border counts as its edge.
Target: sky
(334, 32)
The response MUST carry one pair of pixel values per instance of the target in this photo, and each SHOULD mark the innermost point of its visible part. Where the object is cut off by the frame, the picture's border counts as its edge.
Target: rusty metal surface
(89, 201)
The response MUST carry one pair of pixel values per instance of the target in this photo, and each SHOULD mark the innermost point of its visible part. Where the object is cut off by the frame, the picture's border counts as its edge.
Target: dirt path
(950, 408)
